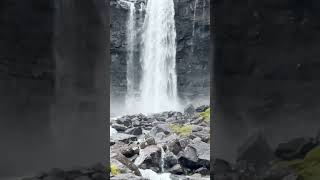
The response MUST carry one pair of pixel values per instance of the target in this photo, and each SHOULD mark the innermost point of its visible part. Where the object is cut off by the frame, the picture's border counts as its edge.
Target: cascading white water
(159, 80)
(193, 24)
(131, 36)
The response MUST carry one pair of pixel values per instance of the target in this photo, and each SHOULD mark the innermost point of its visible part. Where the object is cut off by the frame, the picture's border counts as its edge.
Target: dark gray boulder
(296, 148)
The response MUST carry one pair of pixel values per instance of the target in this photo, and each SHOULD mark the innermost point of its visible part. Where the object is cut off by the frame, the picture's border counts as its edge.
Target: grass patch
(115, 170)
(182, 130)
(308, 168)
(206, 115)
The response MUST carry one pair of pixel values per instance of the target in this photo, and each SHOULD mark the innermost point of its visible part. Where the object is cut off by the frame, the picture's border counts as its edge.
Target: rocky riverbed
(168, 145)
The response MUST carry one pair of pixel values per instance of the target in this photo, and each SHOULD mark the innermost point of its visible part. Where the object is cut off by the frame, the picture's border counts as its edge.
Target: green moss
(308, 168)
(114, 170)
(206, 115)
(182, 130)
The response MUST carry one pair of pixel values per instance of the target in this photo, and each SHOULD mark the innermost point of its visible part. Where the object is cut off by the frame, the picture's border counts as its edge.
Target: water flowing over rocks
(169, 143)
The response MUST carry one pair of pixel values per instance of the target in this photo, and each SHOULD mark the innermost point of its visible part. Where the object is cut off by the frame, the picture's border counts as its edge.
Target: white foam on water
(149, 174)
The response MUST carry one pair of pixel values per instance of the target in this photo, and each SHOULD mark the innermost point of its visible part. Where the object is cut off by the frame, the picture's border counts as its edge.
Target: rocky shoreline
(169, 142)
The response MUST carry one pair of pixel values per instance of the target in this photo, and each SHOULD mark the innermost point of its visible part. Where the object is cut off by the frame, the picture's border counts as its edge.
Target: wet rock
(202, 108)
(296, 148)
(119, 127)
(125, 121)
(189, 110)
(199, 120)
(169, 160)
(134, 131)
(174, 146)
(149, 157)
(127, 176)
(165, 128)
(184, 142)
(189, 158)
(160, 135)
(121, 137)
(176, 169)
(202, 171)
(203, 136)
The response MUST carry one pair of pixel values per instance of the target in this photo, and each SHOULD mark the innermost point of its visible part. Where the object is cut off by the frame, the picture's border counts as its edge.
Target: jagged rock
(189, 158)
(196, 128)
(165, 128)
(202, 108)
(296, 148)
(202, 135)
(125, 121)
(174, 146)
(256, 151)
(197, 121)
(176, 169)
(184, 142)
(160, 135)
(134, 131)
(169, 160)
(149, 157)
(202, 171)
(126, 138)
(189, 110)
(119, 127)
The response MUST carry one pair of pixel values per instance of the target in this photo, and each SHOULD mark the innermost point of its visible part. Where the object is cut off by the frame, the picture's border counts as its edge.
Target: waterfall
(193, 24)
(131, 36)
(159, 80)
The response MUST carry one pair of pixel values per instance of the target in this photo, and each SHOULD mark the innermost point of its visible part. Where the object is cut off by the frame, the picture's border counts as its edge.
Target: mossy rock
(181, 130)
(114, 170)
(308, 168)
(206, 115)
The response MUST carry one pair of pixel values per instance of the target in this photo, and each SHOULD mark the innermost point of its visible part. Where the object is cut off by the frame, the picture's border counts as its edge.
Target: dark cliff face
(266, 70)
(52, 84)
(192, 68)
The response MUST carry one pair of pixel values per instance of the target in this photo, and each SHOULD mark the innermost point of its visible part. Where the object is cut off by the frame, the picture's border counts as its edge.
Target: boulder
(296, 148)
(256, 151)
(189, 110)
(149, 157)
(124, 121)
(165, 128)
(119, 127)
(176, 169)
(169, 160)
(121, 137)
(202, 108)
(134, 131)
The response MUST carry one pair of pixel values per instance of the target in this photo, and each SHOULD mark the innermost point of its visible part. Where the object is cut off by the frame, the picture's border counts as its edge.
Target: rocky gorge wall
(192, 67)
(266, 71)
(53, 60)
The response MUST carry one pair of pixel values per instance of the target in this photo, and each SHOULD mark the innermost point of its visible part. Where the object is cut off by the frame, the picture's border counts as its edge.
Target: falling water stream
(159, 80)
(193, 24)
(131, 36)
